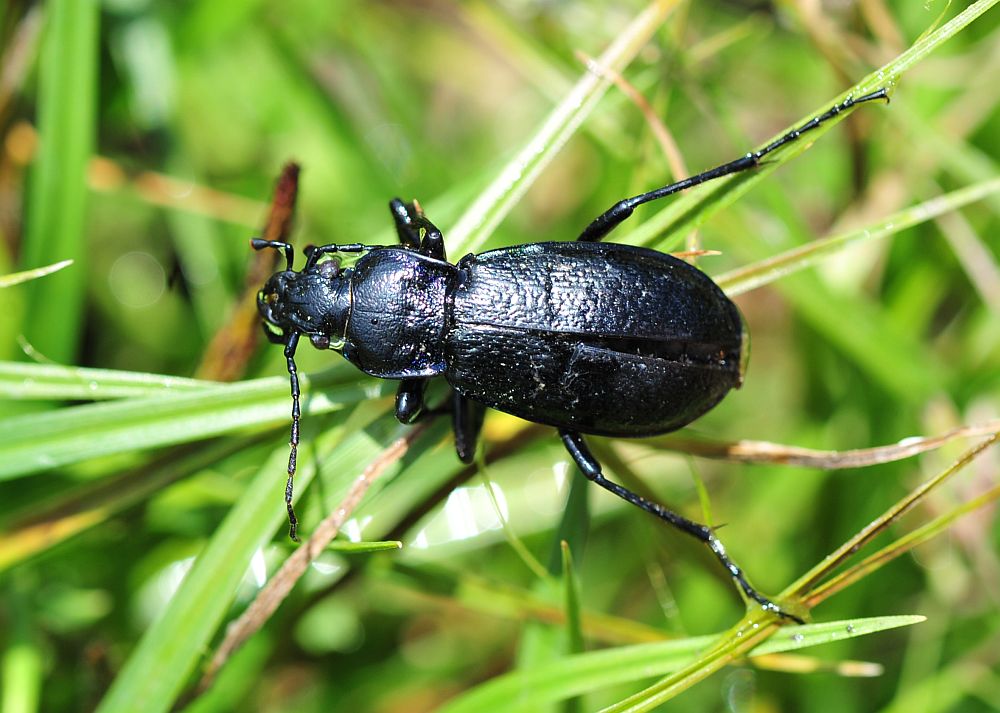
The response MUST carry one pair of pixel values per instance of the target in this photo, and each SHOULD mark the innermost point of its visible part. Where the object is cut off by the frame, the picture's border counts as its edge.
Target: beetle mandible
(593, 338)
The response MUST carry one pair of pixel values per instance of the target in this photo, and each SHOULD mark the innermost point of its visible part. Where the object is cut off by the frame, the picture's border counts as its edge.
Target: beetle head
(314, 302)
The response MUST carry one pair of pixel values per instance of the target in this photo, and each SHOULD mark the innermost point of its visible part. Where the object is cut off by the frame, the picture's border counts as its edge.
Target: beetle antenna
(261, 244)
(293, 442)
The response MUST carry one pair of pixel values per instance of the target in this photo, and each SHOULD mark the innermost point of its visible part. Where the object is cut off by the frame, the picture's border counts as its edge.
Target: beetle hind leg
(591, 469)
(620, 211)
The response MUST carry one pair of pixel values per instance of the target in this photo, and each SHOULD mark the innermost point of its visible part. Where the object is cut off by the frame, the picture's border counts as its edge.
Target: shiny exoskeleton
(587, 337)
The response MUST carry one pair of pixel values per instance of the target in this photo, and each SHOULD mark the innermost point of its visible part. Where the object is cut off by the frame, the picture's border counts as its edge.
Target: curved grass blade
(582, 673)
(493, 204)
(159, 667)
(694, 207)
(64, 516)
(16, 278)
(744, 279)
(780, 454)
(757, 626)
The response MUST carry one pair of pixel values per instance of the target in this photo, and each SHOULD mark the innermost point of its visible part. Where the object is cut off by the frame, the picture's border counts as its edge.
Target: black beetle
(606, 339)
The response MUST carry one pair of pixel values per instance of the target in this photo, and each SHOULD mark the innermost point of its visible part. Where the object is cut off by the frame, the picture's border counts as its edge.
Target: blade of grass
(354, 548)
(513, 540)
(278, 586)
(574, 631)
(780, 454)
(757, 626)
(806, 582)
(17, 278)
(763, 272)
(22, 661)
(33, 442)
(55, 219)
(54, 521)
(157, 670)
(901, 546)
(496, 201)
(693, 208)
(53, 381)
(582, 673)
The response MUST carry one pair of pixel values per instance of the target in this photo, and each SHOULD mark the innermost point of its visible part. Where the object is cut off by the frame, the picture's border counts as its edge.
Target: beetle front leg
(467, 419)
(403, 216)
(591, 469)
(409, 219)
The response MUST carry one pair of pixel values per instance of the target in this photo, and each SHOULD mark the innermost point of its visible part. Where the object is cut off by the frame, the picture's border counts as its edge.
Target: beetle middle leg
(467, 416)
(410, 406)
(611, 218)
(591, 469)
(467, 419)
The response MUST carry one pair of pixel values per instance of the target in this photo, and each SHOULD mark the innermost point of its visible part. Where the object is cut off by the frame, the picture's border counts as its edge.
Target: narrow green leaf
(16, 278)
(48, 523)
(22, 661)
(55, 220)
(763, 272)
(583, 673)
(694, 207)
(53, 381)
(33, 442)
(347, 547)
(494, 203)
(157, 670)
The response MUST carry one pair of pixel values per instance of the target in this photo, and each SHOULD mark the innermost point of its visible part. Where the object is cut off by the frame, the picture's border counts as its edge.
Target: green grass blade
(16, 278)
(744, 279)
(694, 207)
(33, 442)
(54, 381)
(48, 523)
(22, 661)
(493, 204)
(158, 668)
(55, 218)
(583, 673)
(354, 548)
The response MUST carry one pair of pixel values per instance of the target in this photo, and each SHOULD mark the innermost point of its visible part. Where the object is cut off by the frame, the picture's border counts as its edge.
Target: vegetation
(141, 499)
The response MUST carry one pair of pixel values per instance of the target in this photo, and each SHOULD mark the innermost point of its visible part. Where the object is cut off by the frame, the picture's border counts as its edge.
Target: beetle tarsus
(293, 522)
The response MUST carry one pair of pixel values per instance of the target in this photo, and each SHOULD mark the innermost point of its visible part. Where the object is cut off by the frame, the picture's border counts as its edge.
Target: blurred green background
(142, 139)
